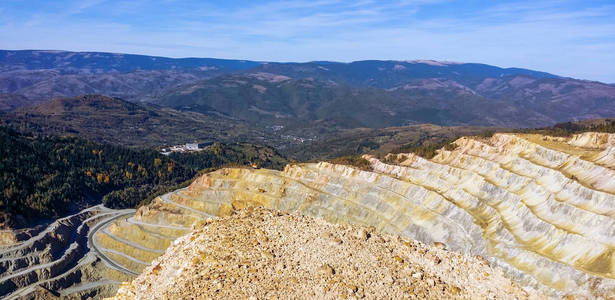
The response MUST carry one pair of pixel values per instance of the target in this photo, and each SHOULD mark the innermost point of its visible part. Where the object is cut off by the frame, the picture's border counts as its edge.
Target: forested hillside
(569, 128)
(111, 120)
(264, 99)
(45, 177)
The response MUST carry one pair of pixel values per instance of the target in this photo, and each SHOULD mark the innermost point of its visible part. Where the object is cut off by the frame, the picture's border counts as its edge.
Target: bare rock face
(267, 254)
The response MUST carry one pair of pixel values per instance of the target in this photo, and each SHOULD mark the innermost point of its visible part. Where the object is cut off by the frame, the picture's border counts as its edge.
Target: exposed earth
(266, 254)
(539, 208)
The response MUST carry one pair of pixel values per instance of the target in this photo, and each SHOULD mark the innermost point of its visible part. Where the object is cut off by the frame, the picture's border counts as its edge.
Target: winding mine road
(93, 245)
(99, 214)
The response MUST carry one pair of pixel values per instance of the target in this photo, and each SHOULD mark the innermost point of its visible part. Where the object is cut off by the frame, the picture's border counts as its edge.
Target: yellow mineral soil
(541, 209)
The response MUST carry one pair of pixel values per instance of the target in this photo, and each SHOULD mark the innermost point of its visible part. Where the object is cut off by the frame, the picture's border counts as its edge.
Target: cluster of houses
(188, 147)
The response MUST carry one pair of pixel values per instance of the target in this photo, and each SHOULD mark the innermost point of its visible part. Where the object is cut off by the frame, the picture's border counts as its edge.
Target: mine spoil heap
(266, 254)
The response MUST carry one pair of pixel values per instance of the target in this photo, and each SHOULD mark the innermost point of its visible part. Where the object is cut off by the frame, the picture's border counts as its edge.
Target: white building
(192, 147)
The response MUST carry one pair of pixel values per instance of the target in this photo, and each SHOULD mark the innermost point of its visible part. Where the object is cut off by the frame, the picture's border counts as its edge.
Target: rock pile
(266, 254)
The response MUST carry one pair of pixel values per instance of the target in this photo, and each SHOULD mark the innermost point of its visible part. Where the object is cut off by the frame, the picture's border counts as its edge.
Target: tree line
(567, 129)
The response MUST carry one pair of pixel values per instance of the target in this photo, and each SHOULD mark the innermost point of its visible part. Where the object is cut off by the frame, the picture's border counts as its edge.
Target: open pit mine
(540, 209)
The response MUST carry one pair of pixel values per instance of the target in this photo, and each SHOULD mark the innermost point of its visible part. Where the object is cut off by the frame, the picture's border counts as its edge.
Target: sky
(567, 38)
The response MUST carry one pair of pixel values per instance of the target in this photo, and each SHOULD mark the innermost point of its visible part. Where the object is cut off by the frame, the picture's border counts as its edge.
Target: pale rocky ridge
(541, 209)
(258, 253)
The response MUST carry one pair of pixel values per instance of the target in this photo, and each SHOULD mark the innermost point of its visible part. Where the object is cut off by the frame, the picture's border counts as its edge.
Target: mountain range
(39, 74)
(267, 98)
(303, 101)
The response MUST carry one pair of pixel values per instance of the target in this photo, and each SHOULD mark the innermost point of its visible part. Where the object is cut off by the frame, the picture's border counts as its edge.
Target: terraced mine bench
(59, 260)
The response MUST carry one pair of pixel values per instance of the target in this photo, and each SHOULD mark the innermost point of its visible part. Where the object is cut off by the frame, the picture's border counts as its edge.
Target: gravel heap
(263, 254)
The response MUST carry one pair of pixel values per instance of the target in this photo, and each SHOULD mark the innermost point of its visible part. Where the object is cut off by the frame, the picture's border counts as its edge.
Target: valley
(114, 121)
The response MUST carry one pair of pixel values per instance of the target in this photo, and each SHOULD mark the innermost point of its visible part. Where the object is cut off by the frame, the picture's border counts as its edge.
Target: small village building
(192, 147)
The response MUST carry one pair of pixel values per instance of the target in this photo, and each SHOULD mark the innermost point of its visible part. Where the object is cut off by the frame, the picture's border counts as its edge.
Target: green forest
(47, 177)
(570, 128)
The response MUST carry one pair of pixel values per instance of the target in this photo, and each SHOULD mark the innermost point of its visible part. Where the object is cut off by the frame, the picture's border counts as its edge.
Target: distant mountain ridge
(45, 74)
(104, 62)
(369, 93)
(507, 101)
(390, 73)
(141, 85)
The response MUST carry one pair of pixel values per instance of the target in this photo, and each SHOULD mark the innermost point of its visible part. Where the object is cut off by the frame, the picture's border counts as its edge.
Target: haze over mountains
(50, 74)
(342, 95)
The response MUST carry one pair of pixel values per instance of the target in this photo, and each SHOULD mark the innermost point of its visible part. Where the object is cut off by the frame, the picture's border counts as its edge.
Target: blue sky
(569, 38)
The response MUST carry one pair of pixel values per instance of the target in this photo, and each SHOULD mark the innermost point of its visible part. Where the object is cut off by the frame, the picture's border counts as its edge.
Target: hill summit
(83, 104)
